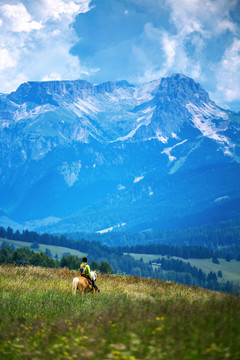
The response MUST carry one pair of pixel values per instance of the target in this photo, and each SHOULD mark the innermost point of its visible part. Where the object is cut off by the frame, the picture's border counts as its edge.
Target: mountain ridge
(99, 156)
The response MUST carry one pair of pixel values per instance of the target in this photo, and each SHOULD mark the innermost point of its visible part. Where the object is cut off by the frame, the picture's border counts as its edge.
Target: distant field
(59, 250)
(230, 270)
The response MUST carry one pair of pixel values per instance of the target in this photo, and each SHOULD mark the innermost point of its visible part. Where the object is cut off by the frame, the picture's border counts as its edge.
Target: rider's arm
(88, 271)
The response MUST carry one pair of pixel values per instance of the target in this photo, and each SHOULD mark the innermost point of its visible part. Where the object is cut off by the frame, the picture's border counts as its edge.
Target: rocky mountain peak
(181, 88)
(50, 92)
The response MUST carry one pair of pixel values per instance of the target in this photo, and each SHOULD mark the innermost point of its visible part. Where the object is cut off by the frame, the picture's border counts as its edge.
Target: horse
(81, 283)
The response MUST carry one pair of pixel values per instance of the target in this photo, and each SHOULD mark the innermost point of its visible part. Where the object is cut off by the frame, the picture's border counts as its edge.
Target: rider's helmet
(84, 259)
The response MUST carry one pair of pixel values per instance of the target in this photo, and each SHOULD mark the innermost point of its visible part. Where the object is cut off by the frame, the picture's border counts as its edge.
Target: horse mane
(94, 275)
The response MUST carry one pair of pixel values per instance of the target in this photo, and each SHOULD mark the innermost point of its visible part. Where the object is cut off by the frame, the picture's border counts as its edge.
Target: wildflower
(211, 348)
(64, 339)
(117, 352)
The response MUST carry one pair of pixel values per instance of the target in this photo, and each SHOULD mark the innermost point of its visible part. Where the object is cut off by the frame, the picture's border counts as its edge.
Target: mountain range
(75, 156)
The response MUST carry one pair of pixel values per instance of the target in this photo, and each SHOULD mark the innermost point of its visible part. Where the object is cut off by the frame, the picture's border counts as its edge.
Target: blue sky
(137, 40)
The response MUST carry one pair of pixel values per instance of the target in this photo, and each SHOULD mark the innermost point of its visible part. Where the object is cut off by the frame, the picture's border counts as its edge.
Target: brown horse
(81, 283)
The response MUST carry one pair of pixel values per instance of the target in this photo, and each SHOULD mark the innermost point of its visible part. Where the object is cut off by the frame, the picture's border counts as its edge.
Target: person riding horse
(86, 272)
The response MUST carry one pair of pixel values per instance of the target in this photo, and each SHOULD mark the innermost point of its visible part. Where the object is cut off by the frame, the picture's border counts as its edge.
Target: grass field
(59, 250)
(230, 270)
(131, 318)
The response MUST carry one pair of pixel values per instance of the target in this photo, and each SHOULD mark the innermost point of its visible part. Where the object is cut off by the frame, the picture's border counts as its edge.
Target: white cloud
(57, 9)
(205, 17)
(52, 76)
(17, 19)
(228, 74)
(36, 38)
(169, 45)
(6, 61)
(174, 56)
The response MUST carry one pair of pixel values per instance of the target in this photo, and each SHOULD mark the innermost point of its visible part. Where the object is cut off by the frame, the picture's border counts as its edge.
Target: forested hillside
(211, 236)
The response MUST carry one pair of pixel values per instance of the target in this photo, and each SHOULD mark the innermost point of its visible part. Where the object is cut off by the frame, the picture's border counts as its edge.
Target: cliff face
(115, 156)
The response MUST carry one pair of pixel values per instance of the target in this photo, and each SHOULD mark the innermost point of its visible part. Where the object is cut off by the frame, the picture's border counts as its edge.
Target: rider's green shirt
(86, 270)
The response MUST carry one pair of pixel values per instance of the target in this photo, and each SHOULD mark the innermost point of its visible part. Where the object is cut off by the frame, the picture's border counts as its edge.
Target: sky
(136, 40)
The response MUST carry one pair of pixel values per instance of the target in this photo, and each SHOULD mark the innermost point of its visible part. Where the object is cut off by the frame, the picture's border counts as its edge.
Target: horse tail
(75, 285)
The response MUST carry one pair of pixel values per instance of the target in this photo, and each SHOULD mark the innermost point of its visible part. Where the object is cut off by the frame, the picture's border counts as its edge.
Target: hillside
(56, 251)
(131, 318)
(230, 270)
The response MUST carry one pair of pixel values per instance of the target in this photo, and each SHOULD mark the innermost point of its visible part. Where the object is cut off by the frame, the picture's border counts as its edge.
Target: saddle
(89, 280)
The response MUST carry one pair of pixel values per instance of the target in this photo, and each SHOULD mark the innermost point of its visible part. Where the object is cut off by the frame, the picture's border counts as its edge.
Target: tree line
(24, 256)
(182, 272)
(184, 252)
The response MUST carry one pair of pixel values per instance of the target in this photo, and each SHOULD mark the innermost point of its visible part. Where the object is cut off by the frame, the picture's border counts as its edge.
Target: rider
(86, 272)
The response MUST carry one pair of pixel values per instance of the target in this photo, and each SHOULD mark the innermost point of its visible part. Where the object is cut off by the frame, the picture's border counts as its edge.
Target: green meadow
(230, 270)
(131, 318)
(55, 250)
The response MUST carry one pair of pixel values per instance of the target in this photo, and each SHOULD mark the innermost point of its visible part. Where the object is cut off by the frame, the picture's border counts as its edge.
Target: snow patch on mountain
(4, 124)
(137, 179)
(179, 162)
(161, 138)
(146, 121)
(167, 151)
(121, 187)
(24, 154)
(104, 231)
(70, 172)
(150, 192)
(24, 113)
(202, 118)
(221, 198)
(87, 106)
(174, 136)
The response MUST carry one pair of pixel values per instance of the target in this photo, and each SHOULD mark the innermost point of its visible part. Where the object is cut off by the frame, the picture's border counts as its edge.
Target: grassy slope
(59, 250)
(230, 270)
(132, 318)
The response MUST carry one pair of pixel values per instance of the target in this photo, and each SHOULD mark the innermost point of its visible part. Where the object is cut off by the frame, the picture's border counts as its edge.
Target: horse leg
(81, 291)
(75, 286)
